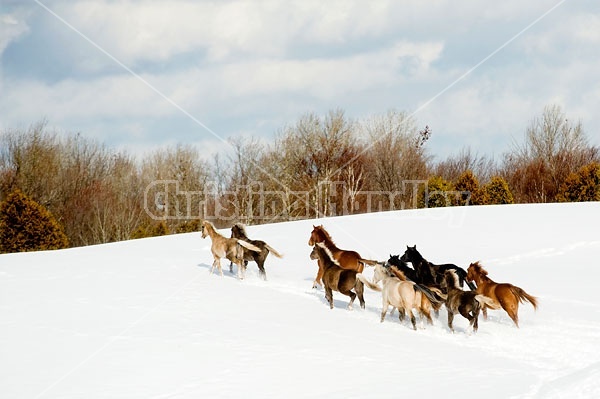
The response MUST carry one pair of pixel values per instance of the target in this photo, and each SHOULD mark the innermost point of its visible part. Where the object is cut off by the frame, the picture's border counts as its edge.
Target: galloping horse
(238, 231)
(223, 247)
(349, 260)
(337, 279)
(467, 303)
(503, 294)
(404, 295)
(429, 273)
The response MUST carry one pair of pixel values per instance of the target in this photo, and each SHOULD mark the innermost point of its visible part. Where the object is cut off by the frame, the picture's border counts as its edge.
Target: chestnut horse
(349, 260)
(223, 247)
(402, 294)
(337, 279)
(467, 303)
(504, 294)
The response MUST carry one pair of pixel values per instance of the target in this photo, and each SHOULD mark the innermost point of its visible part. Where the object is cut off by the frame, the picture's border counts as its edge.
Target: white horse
(404, 295)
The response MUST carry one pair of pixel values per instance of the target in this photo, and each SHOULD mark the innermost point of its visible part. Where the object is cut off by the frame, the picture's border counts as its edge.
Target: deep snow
(144, 319)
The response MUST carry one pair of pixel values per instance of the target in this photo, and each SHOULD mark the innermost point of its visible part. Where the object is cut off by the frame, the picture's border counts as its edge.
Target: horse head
(475, 270)
(411, 255)
(203, 229)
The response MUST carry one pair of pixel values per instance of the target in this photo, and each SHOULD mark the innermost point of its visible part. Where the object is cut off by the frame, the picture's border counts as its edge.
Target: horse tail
(272, 250)
(365, 281)
(523, 296)
(487, 301)
(430, 294)
(249, 246)
(368, 262)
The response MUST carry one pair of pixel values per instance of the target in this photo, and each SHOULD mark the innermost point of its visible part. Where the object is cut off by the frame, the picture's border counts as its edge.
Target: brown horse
(337, 279)
(349, 260)
(238, 231)
(223, 247)
(503, 294)
(404, 295)
(467, 303)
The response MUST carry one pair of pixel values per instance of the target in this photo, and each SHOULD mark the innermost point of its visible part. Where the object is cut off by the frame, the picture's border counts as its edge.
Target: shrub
(25, 225)
(439, 193)
(469, 186)
(497, 192)
(583, 185)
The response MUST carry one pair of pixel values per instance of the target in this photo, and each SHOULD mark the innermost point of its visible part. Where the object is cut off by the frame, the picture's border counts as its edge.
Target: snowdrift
(145, 319)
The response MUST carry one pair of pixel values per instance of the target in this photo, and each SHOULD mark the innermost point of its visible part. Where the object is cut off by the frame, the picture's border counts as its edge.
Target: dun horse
(503, 294)
(223, 247)
(467, 303)
(404, 295)
(429, 273)
(349, 260)
(337, 279)
(238, 231)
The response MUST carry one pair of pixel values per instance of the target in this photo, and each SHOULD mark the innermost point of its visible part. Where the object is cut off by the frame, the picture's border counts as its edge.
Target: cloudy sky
(142, 74)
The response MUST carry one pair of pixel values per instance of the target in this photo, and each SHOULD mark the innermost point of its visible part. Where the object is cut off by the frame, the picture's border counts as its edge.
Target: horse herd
(419, 289)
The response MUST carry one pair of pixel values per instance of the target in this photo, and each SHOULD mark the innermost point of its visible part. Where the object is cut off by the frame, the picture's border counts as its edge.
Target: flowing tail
(368, 283)
(249, 246)
(368, 262)
(523, 296)
(272, 250)
(429, 293)
(487, 301)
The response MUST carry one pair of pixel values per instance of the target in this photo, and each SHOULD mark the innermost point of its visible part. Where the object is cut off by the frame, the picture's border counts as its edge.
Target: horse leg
(384, 309)
(450, 319)
(484, 311)
(319, 277)
(231, 267)
(475, 320)
(261, 269)
(359, 287)
(401, 314)
(352, 296)
(329, 296)
(512, 310)
(413, 320)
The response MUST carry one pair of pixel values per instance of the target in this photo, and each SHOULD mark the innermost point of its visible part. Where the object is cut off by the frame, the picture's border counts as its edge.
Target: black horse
(408, 271)
(238, 231)
(432, 274)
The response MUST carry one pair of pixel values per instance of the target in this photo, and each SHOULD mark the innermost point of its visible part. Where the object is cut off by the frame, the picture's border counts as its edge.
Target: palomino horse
(467, 303)
(337, 279)
(404, 295)
(223, 247)
(429, 273)
(503, 294)
(350, 260)
(238, 231)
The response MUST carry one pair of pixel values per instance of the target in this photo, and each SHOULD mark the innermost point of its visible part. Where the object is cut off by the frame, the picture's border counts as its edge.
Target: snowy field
(144, 319)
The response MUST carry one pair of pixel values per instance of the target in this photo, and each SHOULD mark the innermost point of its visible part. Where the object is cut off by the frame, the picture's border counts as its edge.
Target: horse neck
(211, 231)
(481, 278)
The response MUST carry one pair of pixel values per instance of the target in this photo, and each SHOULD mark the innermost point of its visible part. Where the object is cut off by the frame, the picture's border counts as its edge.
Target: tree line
(317, 166)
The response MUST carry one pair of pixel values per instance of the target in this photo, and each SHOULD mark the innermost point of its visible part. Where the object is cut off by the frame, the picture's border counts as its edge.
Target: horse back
(348, 260)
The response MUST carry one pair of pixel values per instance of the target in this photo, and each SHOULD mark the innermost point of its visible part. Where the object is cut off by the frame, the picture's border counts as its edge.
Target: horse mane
(325, 233)
(328, 252)
(451, 274)
(479, 269)
(242, 227)
(398, 273)
(208, 224)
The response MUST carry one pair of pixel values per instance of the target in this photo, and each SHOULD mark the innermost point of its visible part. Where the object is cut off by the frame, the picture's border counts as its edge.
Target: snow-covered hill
(144, 319)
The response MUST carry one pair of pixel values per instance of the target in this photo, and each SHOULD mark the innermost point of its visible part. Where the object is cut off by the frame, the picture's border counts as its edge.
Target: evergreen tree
(583, 185)
(497, 192)
(468, 185)
(26, 225)
(439, 193)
